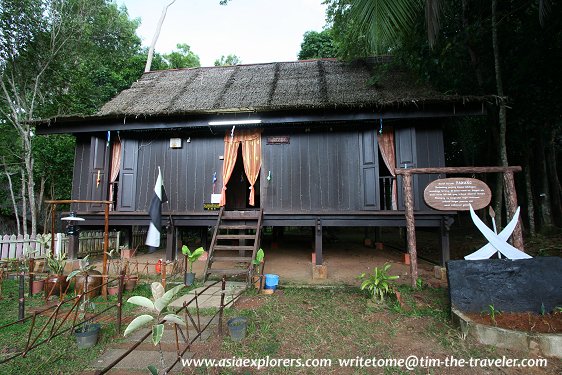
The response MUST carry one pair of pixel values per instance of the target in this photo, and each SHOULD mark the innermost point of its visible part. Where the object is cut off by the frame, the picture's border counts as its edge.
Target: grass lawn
(342, 323)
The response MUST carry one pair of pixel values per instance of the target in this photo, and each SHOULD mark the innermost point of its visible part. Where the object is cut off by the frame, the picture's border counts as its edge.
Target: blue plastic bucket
(271, 281)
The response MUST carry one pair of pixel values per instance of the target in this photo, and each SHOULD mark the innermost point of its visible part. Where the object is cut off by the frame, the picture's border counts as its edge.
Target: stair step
(239, 226)
(232, 259)
(230, 271)
(241, 215)
(236, 236)
(233, 247)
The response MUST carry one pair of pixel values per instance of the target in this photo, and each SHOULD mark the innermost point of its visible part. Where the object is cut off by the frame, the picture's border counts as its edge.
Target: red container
(158, 266)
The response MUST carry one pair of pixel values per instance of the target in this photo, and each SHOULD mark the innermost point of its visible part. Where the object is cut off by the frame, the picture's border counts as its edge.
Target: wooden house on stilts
(307, 143)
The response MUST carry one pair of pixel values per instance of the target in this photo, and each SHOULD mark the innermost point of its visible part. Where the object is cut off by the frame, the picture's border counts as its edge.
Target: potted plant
(87, 278)
(160, 301)
(55, 283)
(127, 252)
(257, 263)
(191, 257)
(115, 263)
(87, 332)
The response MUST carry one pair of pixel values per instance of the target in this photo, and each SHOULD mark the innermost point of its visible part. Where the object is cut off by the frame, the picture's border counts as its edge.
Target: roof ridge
(250, 64)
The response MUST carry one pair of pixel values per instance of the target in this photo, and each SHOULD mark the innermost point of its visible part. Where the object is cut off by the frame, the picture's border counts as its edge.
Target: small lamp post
(73, 231)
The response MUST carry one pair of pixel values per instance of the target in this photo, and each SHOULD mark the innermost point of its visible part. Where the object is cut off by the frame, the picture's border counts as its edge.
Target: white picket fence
(12, 246)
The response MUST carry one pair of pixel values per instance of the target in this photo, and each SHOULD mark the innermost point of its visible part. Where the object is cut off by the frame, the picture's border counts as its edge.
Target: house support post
(319, 270)
(171, 244)
(446, 223)
(511, 206)
(318, 242)
(410, 227)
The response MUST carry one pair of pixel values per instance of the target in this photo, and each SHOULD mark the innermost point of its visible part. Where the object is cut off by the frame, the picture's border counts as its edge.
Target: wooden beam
(410, 227)
(453, 170)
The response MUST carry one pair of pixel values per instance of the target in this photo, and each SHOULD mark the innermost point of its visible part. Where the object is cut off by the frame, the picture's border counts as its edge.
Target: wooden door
(369, 169)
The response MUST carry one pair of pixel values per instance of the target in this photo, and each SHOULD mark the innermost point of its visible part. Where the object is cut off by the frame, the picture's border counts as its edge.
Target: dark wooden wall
(187, 172)
(318, 170)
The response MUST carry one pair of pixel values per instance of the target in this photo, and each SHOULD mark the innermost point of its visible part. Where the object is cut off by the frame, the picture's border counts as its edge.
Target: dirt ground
(345, 256)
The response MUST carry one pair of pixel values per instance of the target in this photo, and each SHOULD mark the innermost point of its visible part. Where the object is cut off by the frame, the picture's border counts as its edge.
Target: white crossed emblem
(497, 242)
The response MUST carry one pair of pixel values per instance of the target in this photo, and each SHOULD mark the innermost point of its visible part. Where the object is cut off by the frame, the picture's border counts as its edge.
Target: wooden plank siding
(80, 176)
(187, 172)
(320, 169)
(316, 171)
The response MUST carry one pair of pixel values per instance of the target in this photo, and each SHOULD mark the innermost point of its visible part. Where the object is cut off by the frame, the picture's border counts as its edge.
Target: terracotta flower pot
(55, 285)
(113, 290)
(37, 286)
(131, 282)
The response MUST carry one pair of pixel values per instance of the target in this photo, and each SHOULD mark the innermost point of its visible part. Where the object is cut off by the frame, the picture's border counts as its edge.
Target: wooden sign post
(409, 202)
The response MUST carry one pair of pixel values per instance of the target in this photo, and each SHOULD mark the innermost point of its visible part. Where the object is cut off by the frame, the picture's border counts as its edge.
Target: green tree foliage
(57, 57)
(228, 60)
(317, 45)
(462, 61)
(349, 38)
(183, 57)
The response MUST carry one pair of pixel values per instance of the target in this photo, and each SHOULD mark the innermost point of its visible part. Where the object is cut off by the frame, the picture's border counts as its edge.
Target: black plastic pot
(188, 278)
(88, 338)
(237, 328)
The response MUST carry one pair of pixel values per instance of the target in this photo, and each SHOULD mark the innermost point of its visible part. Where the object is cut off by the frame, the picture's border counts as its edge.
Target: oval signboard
(455, 194)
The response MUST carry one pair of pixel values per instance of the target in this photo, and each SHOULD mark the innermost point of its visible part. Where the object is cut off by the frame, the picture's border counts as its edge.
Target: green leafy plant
(419, 283)
(160, 301)
(83, 267)
(259, 259)
(86, 305)
(493, 312)
(378, 283)
(56, 262)
(192, 256)
(115, 261)
(558, 309)
(543, 309)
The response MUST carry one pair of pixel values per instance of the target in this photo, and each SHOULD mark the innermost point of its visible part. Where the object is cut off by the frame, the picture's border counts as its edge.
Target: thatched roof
(316, 84)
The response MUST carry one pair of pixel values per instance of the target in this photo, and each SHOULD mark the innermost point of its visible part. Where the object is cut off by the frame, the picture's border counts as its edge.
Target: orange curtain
(230, 155)
(251, 156)
(115, 167)
(386, 146)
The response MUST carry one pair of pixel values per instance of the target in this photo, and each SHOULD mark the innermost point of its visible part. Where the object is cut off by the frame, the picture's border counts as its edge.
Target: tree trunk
(555, 189)
(546, 217)
(13, 196)
(529, 190)
(23, 204)
(155, 38)
(510, 203)
(474, 60)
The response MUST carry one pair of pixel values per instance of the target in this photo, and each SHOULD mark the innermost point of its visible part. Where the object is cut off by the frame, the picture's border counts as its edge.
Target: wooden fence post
(21, 301)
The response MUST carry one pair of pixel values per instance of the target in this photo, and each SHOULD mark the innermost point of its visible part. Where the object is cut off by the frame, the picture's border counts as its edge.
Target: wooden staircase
(235, 242)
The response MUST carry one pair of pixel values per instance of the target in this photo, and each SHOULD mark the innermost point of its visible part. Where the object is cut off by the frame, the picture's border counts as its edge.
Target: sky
(257, 31)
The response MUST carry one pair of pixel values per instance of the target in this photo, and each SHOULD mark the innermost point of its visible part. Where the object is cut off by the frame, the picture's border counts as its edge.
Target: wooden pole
(410, 227)
(105, 248)
(511, 206)
(53, 215)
